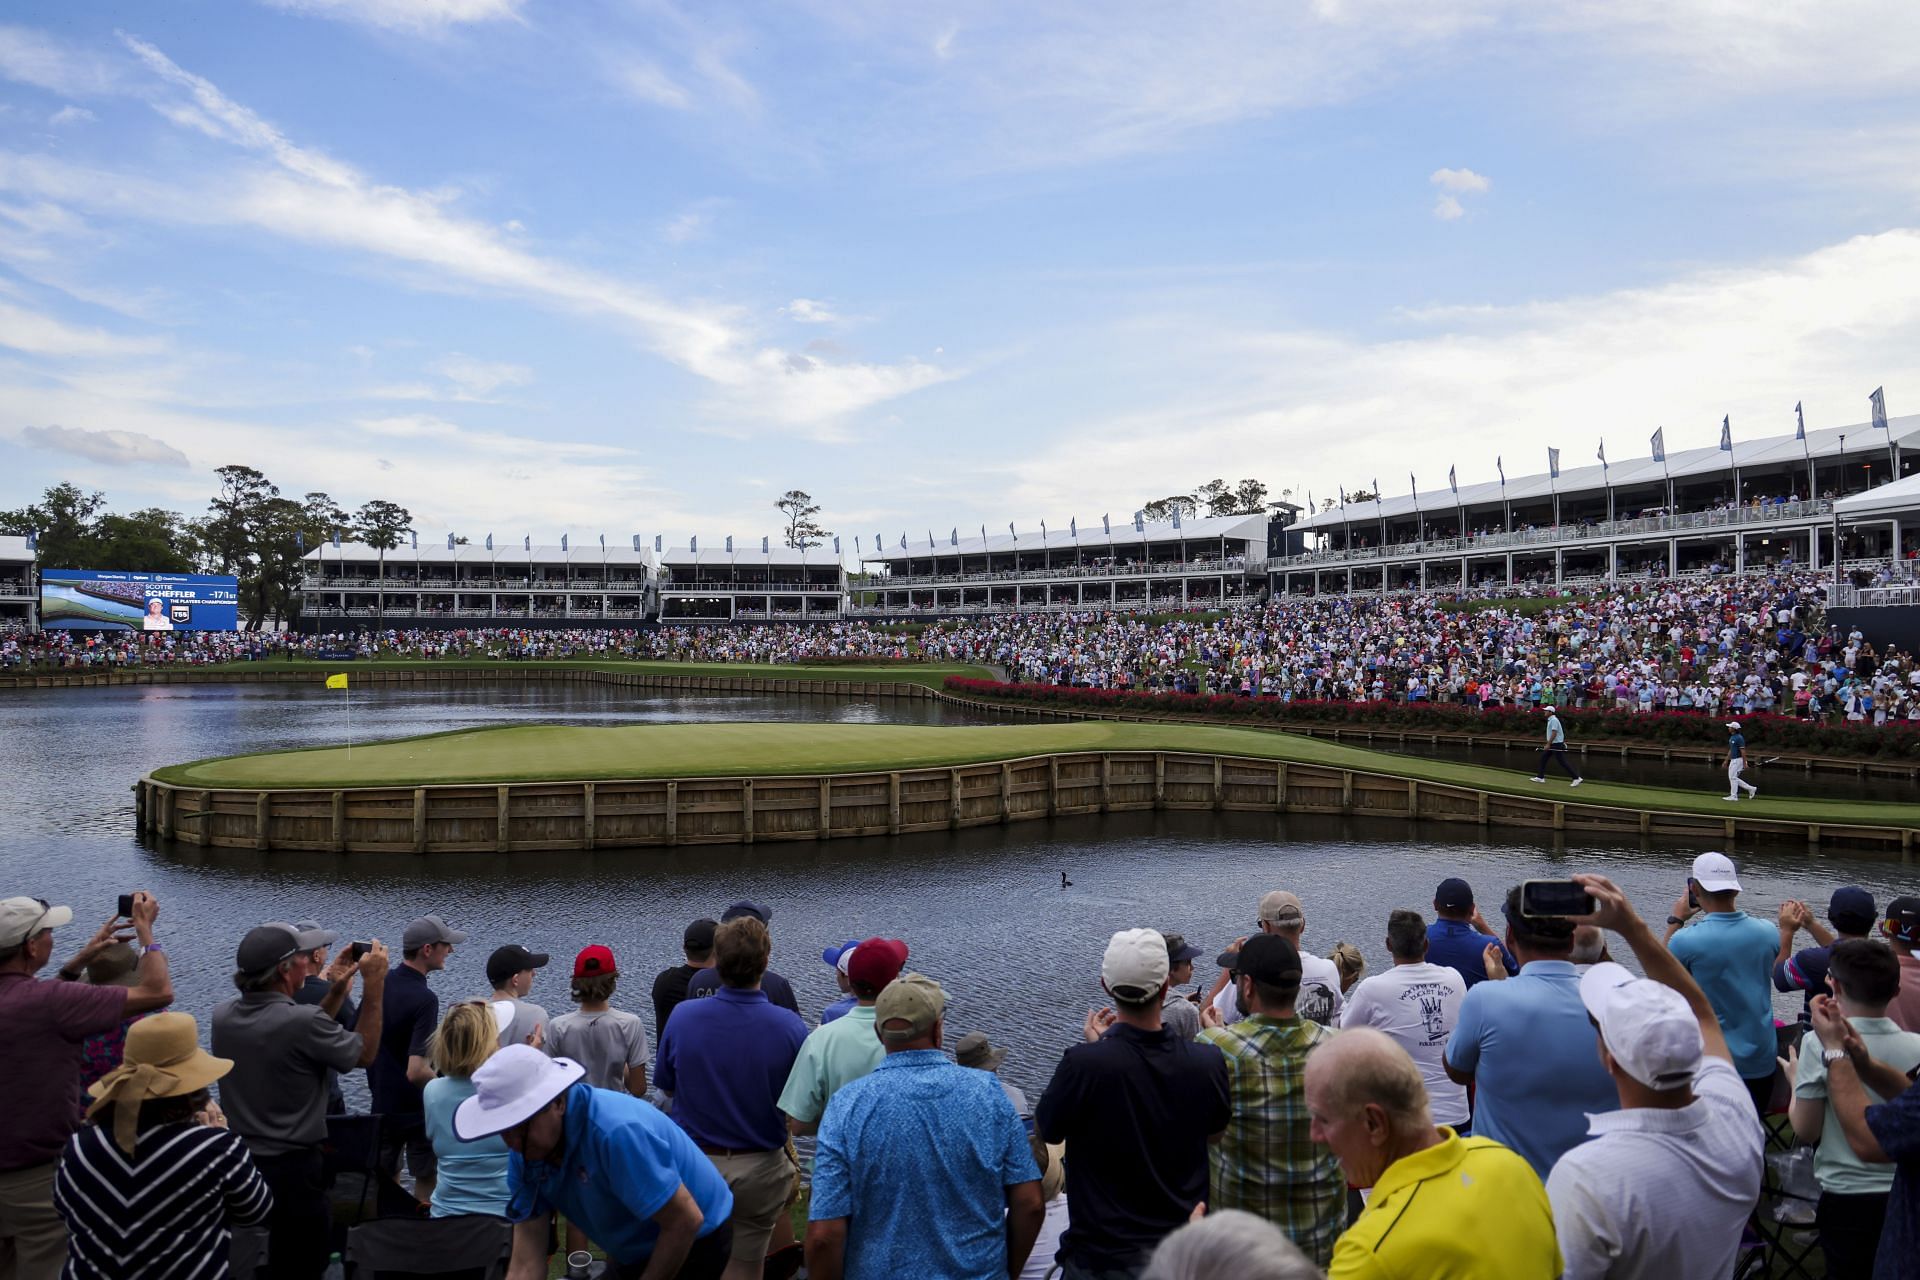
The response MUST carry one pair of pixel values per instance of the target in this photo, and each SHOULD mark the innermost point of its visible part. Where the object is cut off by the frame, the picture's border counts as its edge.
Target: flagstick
(349, 693)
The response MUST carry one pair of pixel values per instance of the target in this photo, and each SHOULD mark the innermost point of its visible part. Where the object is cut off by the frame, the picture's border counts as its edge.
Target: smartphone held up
(1556, 898)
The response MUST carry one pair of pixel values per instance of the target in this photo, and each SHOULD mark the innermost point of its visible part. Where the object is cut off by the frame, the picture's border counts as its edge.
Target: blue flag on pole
(563, 542)
(729, 544)
(1499, 466)
(415, 535)
(1726, 434)
(1139, 522)
(1879, 401)
(836, 544)
(1800, 420)
(1415, 485)
(603, 542)
(693, 544)
(1012, 532)
(299, 540)
(983, 537)
(489, 542)
(449, 542)
(903, 539)
(526, 544)
(1043, 531)
(1106, 525)
(1660, 444)
(930, 540)
(336, 537)
(1453, 482)
(656, 542)
(1073, 527)
(1603, 455)
(1553, 463)
(763, 544)
(856, 545)
(953, 537)
(1176, 515)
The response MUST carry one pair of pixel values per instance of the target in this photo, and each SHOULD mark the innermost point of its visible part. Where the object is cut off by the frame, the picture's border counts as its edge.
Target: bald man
(1442, 1205)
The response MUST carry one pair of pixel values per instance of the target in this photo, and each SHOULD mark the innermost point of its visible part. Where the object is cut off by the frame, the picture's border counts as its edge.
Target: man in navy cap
(779, 990)
(1459, 936)
(1852, 913)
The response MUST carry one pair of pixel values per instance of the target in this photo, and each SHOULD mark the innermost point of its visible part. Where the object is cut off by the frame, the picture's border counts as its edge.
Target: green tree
(1163, 508)
(64, 519)
(233, 519)
(381, 524)
(799, 508)
(153, 539)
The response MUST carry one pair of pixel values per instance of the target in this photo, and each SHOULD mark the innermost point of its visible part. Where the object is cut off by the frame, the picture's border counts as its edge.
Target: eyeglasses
(34, 929)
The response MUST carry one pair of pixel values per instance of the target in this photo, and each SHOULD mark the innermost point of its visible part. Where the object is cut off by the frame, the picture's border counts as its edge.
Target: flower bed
(1764, 733)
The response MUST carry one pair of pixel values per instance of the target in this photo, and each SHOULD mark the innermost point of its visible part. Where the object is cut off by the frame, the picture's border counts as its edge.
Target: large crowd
(1721, 646)
(1505, 1102)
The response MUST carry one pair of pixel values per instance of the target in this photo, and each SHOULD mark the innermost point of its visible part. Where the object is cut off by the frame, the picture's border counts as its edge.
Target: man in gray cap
(276, 1095)
(402, 1069)
(40, 1060)
(336, 997)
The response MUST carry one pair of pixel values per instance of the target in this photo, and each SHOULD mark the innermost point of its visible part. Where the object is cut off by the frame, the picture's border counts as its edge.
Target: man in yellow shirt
(1443, 1207)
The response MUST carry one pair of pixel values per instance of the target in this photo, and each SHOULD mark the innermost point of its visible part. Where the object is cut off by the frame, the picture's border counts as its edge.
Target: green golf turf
(562, 752)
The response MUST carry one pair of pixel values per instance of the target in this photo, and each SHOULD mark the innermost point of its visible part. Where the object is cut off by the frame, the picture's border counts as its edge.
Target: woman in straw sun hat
(152, 1186)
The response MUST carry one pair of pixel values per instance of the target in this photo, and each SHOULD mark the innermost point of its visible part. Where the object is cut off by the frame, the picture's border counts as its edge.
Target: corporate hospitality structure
(720, 584)
(1205, 561)
(19, 584)
(443, 585)
(1781, 501)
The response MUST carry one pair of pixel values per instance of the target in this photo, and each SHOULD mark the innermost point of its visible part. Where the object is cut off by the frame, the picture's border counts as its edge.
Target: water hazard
(982, 909)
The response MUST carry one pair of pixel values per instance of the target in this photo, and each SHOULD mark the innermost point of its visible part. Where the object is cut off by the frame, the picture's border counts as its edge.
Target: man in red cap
(846, 1048)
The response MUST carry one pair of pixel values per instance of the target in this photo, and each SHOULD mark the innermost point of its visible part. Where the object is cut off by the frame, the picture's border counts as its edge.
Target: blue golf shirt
(1536, 1072)
(917, 1155)
(1730, 954)
(1458, 945)
(622, 1162)
(725, 1059)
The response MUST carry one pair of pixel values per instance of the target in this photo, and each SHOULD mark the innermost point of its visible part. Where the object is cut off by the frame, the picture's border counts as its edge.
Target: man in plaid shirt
(1266, 1164)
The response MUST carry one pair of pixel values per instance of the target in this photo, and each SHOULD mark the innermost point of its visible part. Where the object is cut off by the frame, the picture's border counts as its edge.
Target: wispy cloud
(1453, 184)
(808, 311)
(30, 331)
(417, 16)
(71, 115)
(114, 448)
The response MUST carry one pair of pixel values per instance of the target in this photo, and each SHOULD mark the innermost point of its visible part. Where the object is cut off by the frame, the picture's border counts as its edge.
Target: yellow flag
(337, 682)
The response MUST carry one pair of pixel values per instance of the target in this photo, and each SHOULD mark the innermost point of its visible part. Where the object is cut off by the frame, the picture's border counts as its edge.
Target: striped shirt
(166, 1212)
(1266, 1164)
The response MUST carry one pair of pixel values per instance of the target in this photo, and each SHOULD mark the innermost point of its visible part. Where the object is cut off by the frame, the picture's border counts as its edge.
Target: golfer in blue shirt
(1556, 749)
(1737, 763)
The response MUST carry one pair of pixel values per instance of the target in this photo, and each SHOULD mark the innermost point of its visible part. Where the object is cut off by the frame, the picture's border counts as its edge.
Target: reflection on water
(981, 909)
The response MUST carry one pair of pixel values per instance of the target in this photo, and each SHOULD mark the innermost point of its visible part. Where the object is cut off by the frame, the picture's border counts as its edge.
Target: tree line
(250, 530)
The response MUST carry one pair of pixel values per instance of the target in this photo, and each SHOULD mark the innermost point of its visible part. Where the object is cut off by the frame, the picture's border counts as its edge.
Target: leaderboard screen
(112, 600)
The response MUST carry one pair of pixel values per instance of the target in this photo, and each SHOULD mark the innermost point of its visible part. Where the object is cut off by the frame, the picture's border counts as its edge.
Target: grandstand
(541, 585)
(721, 584)
(19, 584)
(1205, 561)
(1767, 503)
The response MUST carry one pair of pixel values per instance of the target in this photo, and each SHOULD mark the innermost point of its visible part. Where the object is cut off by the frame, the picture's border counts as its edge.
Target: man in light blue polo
(1526, 1046)
(839, 1052)
(1737, 763)
(619, 1170)
(923, 1169)
(1730, 954)
(1556, 749)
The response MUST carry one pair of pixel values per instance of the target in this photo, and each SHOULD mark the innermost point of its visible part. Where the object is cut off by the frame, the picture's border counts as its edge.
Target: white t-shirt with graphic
(1417, 1005)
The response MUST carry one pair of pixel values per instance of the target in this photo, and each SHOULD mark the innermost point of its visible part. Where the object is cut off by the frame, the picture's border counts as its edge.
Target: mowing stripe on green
(535, 753)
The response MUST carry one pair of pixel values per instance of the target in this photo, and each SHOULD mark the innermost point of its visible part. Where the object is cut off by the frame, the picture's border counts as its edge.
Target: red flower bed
(1763, 732)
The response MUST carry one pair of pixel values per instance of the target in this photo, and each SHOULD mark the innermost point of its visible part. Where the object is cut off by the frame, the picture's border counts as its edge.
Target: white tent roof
(749, 554)
(504, 552)
(13, 548)
(1822, 444)
(1252, 528)
(1888, 499)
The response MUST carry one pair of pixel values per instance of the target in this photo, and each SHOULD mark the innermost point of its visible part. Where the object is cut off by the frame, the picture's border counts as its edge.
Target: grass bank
(534, 753)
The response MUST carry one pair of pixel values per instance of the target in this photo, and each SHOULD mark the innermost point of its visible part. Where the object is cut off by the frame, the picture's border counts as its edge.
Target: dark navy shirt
(1458, 945)
(669, 989)
(1737, 746)
(409, 1015)
(1805, 971)
(1136, 1109)
(779, 991)
(1896, 1126)
(725, 1060)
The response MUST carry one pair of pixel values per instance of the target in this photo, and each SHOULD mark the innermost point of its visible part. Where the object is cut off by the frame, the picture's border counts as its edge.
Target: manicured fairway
(564, 752)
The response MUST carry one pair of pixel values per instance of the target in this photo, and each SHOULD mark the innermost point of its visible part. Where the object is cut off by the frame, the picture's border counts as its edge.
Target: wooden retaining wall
(533, 817)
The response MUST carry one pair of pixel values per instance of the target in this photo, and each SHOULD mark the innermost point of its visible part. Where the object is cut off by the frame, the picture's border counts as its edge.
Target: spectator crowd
(1508, 1102)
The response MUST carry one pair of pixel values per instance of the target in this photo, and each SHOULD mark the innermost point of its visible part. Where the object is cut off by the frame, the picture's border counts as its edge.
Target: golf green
(536, 753)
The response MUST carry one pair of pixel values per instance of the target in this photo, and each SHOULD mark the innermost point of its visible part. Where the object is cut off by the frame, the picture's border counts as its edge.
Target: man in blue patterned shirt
(923, 1168)
(1266, 1163)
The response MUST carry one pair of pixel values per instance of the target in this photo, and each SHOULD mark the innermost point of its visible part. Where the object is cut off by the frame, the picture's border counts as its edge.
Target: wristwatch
(1675, 920)
(1831, 1056)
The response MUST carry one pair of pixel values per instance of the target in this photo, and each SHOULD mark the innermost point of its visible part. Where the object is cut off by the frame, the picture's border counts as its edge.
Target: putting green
(534, 753)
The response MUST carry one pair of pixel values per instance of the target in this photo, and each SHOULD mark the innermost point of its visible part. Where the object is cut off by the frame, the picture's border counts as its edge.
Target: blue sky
(533, 266)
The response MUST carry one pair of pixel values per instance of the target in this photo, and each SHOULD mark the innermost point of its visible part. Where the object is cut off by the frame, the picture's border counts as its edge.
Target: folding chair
(246, 1252)
(352, 1146)
(468, 1247)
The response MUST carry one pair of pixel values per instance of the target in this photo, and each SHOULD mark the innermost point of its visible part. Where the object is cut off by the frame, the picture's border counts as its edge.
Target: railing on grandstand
(1232, 564)
(13, 589)
(328, 582)
(1722, 518)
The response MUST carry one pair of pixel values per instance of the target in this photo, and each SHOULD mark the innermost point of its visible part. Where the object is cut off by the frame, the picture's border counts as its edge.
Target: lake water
(982, 909)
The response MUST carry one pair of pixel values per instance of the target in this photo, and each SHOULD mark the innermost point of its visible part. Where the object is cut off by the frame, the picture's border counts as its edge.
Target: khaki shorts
(762, 1183)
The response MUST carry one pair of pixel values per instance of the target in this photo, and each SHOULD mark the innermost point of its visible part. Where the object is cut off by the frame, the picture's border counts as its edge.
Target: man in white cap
(40, 1060)
(1556, 749)
(1737, 763)
(1666, 1183)
(1730, 954)
(613, 1164)
(1137, 1109)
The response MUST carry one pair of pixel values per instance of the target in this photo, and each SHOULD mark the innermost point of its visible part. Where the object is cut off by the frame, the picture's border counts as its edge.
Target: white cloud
(1478, 381)
(308, 196)
(419, 16)
(32, 57)
(1447, 208)
(25, 330)
(807, 311)
(647, 82)
(71, 114)
(481, 377)
(1458, 181)
(114, 448)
